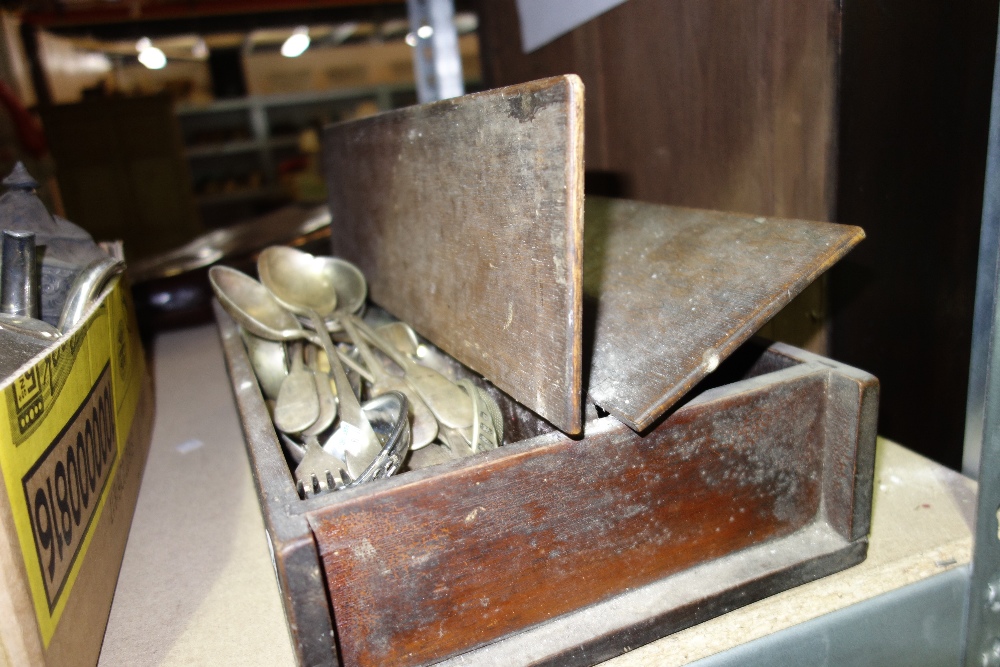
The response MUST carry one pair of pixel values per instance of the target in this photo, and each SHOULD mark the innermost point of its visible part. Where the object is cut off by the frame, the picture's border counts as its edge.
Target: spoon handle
(424, 426)
(327, 401)
(449, 402)
(316, 339)
(368, 443)
(375, 367)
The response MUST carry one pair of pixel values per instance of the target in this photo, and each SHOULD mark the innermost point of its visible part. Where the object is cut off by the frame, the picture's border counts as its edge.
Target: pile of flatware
(316, 359)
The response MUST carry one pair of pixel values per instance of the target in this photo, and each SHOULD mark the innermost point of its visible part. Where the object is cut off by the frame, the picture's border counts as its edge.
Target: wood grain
(672, 291)
(436, 565)
(718, 104)
(122, 173)
(916, 87)
(466, 217)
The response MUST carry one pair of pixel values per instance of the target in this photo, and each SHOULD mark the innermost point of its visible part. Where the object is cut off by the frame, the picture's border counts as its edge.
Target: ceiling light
(149, 55)
(411, 39)
(200, 49)
(296, 44)
(153, 58)
(425, 32)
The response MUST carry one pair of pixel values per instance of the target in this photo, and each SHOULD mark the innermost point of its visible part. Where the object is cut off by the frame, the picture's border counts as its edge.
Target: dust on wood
(466, 217)
(670, 292)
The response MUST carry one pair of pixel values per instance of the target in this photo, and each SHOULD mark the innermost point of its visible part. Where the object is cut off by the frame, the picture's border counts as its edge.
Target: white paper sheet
(544, 20)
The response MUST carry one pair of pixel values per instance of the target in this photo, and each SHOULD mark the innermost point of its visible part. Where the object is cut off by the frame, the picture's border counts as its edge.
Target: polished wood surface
(466, 218)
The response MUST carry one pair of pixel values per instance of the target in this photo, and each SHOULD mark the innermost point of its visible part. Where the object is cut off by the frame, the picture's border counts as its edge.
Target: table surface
(197, 582)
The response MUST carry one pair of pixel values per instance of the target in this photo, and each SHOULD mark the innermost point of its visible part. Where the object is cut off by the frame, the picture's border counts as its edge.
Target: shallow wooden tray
(554, 549)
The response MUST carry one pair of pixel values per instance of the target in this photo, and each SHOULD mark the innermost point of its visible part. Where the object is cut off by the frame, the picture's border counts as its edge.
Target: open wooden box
(726, 470)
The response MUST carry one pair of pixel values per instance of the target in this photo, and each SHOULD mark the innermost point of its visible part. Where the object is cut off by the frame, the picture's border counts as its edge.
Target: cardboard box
(76, 424)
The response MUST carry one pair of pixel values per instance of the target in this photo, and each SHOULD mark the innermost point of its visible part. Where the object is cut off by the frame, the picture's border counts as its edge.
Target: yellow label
(65, 429)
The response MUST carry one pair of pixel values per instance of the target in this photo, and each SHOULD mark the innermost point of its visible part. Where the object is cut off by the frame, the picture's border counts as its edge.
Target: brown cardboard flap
(671, 292)
(466, 218)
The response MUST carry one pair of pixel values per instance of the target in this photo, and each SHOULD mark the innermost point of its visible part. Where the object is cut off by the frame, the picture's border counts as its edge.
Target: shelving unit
(235, 148)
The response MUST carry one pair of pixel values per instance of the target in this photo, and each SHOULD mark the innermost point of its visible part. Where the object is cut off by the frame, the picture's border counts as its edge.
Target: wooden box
(584, 547)
(726, 471)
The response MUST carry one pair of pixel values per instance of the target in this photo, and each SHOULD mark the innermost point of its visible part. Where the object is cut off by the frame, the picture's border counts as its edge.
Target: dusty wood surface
(440, 561)
(466, 218)
(670, 292)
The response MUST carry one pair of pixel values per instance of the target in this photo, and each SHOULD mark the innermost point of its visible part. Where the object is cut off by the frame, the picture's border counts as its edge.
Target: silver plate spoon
(252, 306)
(487, 428)
(327, 401)
(424, 426)
(450, 404)
(298, 283)
(269, 361)
(401, 336)
(349, 284)
(297, 405)
(256, 309)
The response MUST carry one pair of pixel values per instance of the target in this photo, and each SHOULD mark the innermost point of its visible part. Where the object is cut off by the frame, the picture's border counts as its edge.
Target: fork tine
(314, 474)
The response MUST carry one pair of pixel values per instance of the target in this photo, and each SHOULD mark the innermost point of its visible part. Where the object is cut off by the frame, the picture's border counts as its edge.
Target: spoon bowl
(269, 361)
(256, 310)
(349, 283)
(297, 406)
(298, 280)
(252, 306)
(345, 279)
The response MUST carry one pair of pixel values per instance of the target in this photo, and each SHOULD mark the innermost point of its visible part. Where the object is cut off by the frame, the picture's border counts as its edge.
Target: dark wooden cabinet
(121, 171)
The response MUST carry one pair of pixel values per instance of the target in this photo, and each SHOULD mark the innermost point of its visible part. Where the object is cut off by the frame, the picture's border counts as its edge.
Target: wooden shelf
(272, 124)
(227, 148)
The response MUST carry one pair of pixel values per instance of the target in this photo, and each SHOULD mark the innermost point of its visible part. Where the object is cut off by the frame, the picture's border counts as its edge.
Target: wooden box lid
(671, 292)
(467, 218)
